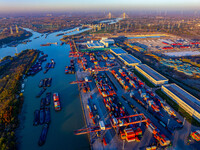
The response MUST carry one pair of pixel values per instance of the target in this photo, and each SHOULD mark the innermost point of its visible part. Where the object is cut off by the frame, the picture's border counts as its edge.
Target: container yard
(120, 110)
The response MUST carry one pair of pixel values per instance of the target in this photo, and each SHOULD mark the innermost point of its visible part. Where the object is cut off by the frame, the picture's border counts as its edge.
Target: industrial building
(185, 100)
(92, 44)
(118, 51)
(107, 42)
(153, 76)
(129, 60)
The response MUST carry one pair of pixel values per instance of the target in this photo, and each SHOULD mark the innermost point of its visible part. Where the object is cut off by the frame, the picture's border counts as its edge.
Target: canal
(60, 135)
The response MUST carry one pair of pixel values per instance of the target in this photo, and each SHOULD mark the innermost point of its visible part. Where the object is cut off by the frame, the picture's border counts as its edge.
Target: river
(60, 135)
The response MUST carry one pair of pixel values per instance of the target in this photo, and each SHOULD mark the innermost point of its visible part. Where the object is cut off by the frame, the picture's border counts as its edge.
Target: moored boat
(42, 116)
(49, 82)
(47, 115)
(41, 92)
(48, 98)
(45, 82)
(36, 120)
(42, 103)
(66, 70)
(43, 135)
(41, 83)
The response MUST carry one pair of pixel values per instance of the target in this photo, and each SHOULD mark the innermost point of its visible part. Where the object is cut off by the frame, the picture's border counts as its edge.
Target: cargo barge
(56, 101)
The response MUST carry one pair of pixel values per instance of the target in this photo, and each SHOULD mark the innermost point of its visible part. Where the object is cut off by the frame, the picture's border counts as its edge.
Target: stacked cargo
(120, 80)
(196, 135)
(104, 88)
(158, 102)
(152, 104)
(151, 148)
(83, 62)
(140, 83)
(114, 108)
(109, 64)
(161, 138)
(132, 135)
(150, 93)
(92, 58)
(169, 111)
(167, 47)
(93, 113)
(85, 87)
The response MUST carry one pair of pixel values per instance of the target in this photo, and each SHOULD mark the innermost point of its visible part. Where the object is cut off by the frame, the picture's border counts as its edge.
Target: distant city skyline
(91, 5)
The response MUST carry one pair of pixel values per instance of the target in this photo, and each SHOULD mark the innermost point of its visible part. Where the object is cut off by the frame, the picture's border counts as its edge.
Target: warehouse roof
(184, 96)
(118, 51)
(97, 44)
(155, 75)
(129, 59)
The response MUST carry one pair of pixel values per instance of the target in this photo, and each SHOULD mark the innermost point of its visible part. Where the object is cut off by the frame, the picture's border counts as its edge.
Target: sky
(87, 5)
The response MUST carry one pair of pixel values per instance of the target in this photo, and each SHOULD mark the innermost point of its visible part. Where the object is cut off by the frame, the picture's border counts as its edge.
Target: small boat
(53, 64)
(48, 44)
(41, 92)
(66, 70)
(46, 71)
(49, 82)
(70, 69)
(47, 115)
(48, 98)
(41, 83)
(36, 120)
(43, 103)
(42, 116)
(47, 65)
(45, 82)
(43, 135)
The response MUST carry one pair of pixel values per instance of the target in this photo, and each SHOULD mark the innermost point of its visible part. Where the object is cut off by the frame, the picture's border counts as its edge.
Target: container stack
(131, 135)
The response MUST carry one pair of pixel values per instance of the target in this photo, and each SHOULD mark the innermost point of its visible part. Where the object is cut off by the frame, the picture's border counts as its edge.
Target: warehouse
(110, 56)
(94, 44)
(118, 51)
(153, 76)
(188, 102)
(107, 42)
(129, 60)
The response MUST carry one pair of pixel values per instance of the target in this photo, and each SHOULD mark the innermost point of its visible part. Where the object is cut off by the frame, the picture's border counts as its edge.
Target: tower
(11, 31)
(17, 29)
(109, 15)
(124, 15)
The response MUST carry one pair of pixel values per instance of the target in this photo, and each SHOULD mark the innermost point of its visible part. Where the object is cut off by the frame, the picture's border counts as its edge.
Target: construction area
(120, 110)
(168, 45)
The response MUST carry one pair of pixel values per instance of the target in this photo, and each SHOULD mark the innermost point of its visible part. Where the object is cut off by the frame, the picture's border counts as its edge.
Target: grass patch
(177, 108)
(144, 79)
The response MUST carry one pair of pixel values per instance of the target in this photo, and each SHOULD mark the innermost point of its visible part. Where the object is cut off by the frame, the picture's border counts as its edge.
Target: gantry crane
(114, 123)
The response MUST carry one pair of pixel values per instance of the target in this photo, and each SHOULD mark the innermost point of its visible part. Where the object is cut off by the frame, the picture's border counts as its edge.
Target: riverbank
(16, 38)
(10, 98)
